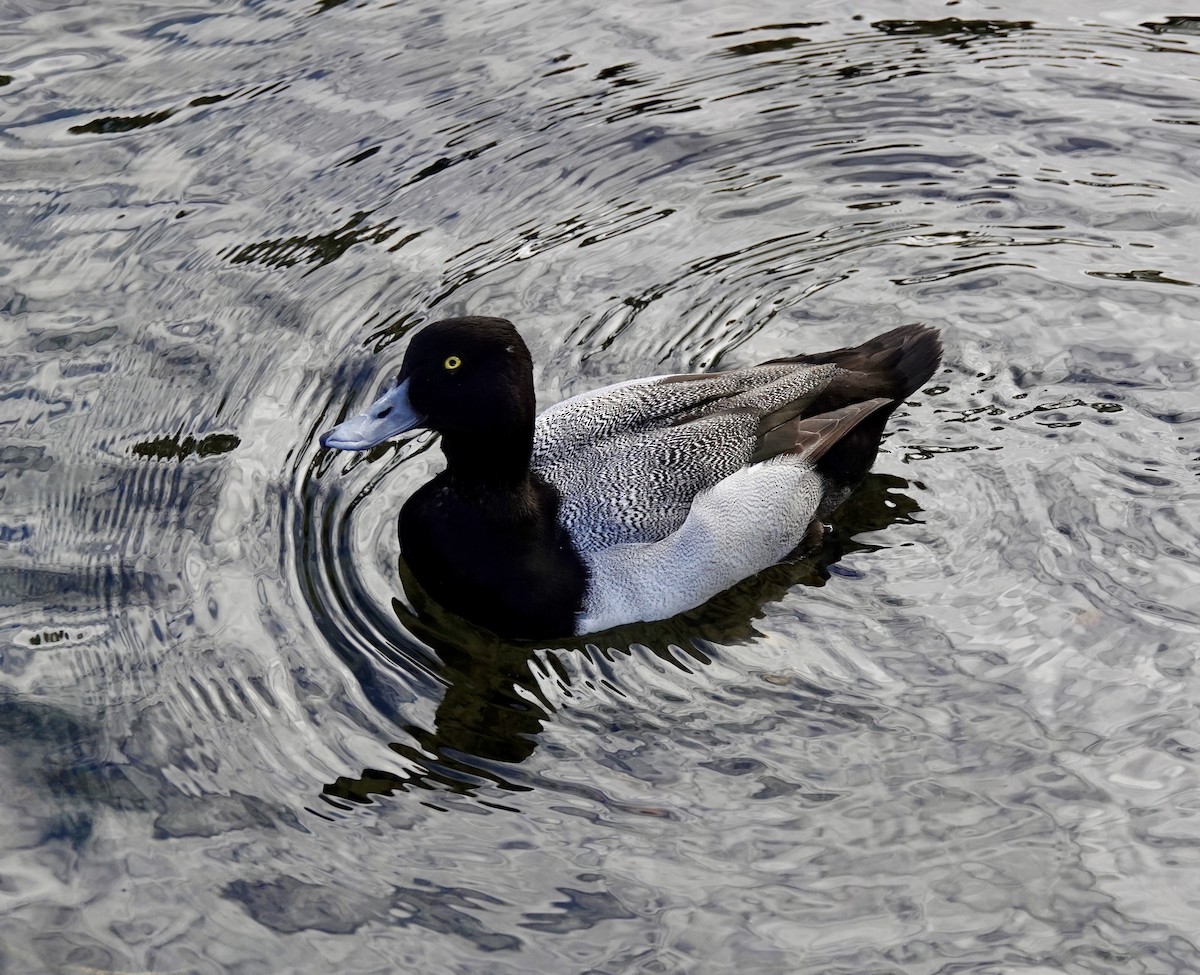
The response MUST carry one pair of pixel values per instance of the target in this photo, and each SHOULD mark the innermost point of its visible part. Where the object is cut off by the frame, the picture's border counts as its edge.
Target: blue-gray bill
(389, 416)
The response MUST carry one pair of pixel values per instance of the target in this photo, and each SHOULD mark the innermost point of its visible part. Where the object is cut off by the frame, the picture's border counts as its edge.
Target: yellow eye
(452, 362)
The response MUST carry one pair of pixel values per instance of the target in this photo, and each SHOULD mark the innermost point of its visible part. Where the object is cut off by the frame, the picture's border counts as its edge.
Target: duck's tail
(894, 365)
(891, 366)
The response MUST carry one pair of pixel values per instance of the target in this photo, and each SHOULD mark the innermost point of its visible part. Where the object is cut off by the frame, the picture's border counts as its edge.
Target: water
(963, 739)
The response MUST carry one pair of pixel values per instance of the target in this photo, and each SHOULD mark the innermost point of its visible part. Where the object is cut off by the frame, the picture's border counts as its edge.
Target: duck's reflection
(494, 708)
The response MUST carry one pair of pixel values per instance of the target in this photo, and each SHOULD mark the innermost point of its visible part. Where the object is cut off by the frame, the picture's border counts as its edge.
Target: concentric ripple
(961, 737)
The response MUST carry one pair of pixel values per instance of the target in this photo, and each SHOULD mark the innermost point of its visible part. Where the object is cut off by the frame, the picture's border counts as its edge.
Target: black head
(471, 380)
(470, 376)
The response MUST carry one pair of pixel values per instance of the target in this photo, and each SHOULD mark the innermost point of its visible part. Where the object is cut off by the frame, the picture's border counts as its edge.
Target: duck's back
(628, 460)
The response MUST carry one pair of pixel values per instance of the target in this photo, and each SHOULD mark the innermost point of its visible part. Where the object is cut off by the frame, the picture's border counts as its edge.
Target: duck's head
(466, 378)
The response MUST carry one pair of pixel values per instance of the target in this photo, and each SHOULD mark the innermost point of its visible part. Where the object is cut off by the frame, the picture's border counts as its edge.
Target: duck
(632, 502)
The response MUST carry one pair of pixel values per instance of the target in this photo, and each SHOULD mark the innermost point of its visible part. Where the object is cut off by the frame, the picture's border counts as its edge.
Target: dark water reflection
(961, 737)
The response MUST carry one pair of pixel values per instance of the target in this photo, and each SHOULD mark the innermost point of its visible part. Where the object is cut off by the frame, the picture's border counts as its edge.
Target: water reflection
(960, 33)
(974, 746)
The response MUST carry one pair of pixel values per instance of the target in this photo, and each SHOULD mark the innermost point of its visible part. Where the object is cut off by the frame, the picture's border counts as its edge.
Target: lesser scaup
(632, 502)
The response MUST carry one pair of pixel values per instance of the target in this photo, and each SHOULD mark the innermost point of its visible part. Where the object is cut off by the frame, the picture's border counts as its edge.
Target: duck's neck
(495, 459)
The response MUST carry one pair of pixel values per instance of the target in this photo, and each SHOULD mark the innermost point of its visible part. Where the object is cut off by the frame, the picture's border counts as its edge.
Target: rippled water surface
(962, 739)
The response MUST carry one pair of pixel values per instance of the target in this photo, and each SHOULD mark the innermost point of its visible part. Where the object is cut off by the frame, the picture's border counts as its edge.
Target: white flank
(744, 524)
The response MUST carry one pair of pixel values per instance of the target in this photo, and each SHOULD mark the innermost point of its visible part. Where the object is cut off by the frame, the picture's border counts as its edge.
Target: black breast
(495, 556)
